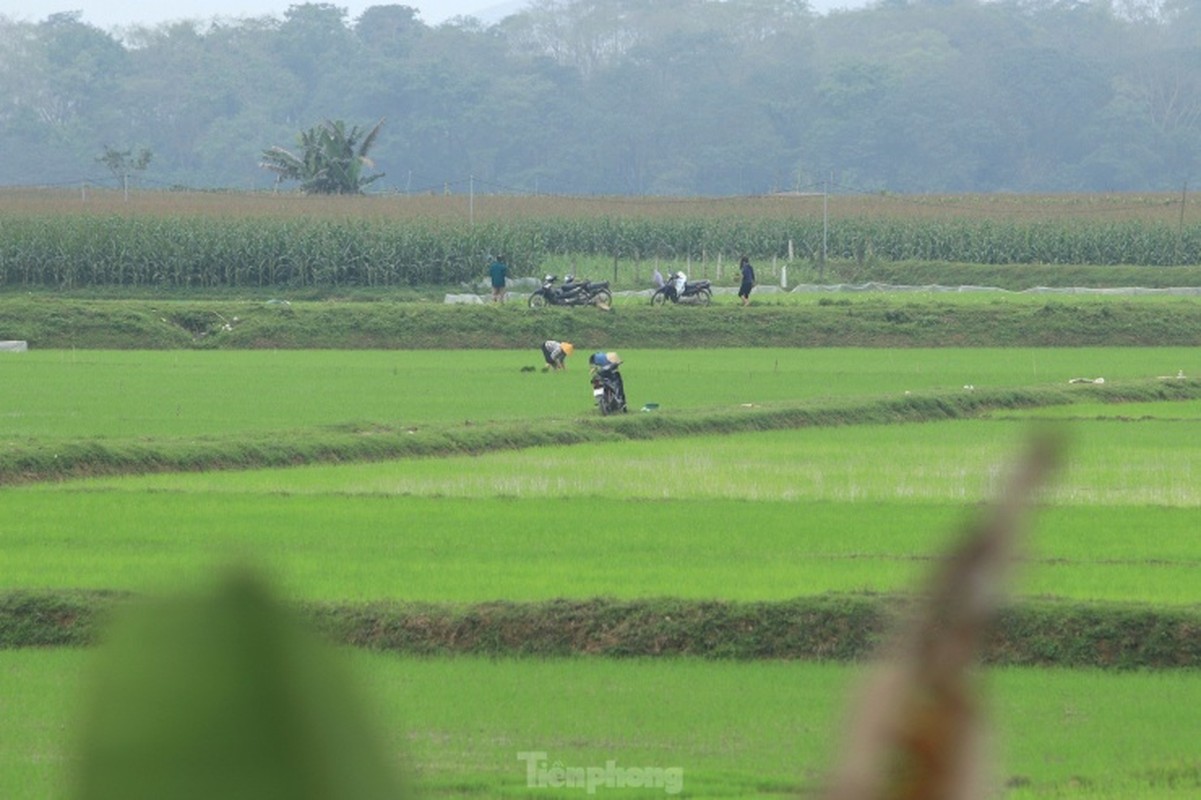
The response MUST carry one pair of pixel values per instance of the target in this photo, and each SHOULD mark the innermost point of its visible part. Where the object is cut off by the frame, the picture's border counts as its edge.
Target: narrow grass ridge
(32, 461)
(836, 627)
(51, 322)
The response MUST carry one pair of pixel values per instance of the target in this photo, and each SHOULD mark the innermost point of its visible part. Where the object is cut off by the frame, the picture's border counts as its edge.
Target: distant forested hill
(615, 97)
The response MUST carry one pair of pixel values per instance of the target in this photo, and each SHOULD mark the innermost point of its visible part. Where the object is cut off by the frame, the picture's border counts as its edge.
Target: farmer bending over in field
(556, 353)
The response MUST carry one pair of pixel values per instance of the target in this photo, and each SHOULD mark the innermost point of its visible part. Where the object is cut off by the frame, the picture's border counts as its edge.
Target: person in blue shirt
(606, 364)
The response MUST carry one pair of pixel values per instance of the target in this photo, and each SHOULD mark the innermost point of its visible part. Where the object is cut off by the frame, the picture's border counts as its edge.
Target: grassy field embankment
(809, 321)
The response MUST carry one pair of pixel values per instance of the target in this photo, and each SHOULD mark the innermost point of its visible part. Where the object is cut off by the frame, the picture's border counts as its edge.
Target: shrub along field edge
(54, 323)
(839, 628)
(25, 462)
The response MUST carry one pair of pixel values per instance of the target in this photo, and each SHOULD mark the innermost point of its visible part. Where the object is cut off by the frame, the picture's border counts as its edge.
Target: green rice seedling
(831, 509)
(67, 394)
(735, 729)
(526, 554)
(765, 729)
(121, 394)
(1085, 733)
(364, 548)
(41, 698)
(1114, 463)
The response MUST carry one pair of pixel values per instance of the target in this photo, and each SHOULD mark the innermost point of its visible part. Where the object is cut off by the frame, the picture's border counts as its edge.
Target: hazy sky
(110, 13)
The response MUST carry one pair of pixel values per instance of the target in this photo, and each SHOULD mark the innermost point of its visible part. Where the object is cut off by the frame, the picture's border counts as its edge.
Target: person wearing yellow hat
(556, 353)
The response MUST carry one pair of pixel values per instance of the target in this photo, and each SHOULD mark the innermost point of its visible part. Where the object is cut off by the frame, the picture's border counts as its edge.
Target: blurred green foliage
(224, 695)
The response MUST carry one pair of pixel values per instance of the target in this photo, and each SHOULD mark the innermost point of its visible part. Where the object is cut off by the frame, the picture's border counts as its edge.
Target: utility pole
(1180, 230)
(821, 273)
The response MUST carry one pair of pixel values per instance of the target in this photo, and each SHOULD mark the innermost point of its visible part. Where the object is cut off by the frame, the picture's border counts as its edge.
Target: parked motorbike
(695, 293)
(571, 293)
(608, 388)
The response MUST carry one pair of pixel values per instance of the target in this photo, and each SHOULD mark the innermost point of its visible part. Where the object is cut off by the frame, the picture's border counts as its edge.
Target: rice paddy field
(748, 516)
(74, 394)
(734, 729)
(763, 516)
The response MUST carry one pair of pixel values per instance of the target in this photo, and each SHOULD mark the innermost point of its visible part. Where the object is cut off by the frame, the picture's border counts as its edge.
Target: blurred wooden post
(917, 731)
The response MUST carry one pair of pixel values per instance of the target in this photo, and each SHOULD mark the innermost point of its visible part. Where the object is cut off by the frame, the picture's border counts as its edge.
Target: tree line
(672, 97)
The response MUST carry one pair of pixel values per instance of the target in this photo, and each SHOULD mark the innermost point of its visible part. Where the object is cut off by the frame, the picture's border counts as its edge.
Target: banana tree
(330, 159)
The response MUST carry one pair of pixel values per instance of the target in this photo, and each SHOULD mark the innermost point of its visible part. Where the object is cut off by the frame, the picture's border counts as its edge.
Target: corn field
(179, 241)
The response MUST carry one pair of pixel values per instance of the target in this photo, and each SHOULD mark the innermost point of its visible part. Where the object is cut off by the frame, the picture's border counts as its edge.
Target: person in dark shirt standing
(498, 270)
(748, 280)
